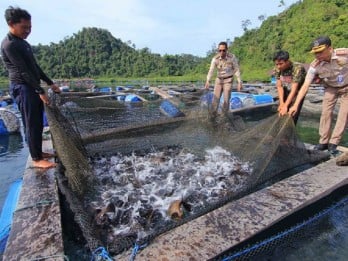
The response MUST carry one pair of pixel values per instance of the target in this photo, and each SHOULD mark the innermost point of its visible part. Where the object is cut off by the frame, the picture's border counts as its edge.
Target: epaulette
(315, 63)
(341, 51)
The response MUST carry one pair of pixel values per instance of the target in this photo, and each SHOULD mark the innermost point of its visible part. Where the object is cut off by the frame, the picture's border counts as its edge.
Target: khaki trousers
(331, 96)
(222, 86)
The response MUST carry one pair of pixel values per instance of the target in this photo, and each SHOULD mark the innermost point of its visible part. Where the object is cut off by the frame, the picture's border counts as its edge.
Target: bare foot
(47, 155)
(44, 164)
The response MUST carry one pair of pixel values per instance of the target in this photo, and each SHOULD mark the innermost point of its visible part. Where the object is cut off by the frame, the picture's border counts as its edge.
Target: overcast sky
(163, 26)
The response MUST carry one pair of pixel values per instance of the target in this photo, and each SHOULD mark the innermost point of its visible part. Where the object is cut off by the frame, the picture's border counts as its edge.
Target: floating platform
(36, 232)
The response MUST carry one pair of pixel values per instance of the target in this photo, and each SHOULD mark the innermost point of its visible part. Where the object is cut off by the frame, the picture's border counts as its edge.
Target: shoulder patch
(341, 51)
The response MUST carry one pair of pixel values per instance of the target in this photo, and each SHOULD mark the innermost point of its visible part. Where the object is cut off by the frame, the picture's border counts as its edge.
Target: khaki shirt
(333, 73)
(226, 67)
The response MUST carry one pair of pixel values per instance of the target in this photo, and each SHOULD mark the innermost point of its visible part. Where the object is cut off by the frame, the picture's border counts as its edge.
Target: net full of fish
(141, 192)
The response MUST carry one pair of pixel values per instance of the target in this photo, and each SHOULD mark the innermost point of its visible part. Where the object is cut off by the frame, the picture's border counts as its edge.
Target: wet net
(133, 170)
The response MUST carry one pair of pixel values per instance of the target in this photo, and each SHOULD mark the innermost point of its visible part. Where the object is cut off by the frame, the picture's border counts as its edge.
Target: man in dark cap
(331, 65)
(25, 75)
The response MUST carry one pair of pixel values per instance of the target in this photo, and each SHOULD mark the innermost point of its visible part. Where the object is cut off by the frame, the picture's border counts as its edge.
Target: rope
(101, 254)
(37, 204)
(286, 232)
(136, 250)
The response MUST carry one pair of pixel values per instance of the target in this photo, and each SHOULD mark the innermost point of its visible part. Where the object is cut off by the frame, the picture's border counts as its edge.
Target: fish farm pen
(166, 178)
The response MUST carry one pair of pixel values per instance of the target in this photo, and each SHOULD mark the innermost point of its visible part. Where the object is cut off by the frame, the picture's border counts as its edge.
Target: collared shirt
(20, 62)
(226, 67)
(296, 73)
(333, 73)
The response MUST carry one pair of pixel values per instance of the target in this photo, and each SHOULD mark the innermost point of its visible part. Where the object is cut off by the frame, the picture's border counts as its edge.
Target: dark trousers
(31, 108)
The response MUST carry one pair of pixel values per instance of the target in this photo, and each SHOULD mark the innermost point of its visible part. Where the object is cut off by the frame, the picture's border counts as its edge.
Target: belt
(224, 78)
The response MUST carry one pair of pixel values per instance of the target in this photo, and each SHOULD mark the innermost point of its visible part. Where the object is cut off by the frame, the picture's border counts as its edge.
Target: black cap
(320, 44)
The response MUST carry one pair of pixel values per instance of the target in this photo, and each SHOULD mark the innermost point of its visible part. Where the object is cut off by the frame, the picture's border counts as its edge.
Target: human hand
(45, 99)
(55, 88)
(292, 111)
(283, 110)
(206, 85)
(239, 86)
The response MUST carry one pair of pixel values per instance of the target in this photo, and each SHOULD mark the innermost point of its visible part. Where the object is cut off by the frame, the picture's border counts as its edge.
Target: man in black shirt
(25, 75)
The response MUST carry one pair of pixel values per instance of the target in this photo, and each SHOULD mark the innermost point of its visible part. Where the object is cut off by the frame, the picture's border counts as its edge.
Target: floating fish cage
(131, 172)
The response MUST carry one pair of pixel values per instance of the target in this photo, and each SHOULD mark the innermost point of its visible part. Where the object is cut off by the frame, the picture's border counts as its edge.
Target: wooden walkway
(36, 232)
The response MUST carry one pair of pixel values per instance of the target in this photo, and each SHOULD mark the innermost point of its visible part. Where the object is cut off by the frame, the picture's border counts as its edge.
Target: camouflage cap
(320, 44)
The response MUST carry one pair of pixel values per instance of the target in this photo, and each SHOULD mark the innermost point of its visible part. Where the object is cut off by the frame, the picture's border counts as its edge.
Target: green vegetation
(95, 53)
(311, 135)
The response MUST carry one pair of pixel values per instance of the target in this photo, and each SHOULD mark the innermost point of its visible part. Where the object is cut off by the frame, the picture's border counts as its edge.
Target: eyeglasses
(222, 50)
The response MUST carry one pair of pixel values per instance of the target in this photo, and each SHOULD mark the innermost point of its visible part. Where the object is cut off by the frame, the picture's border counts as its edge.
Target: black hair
(14, 15)
(223, 43)
(281, 55)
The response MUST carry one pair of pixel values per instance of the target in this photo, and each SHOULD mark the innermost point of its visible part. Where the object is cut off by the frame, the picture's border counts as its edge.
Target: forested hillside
(94, 52)
(292, 30)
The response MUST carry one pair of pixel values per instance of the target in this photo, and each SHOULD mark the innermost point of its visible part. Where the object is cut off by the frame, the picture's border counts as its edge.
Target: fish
(175, 210)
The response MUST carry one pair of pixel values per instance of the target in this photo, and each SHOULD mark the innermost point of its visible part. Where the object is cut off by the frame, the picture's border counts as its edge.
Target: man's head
(281, 60)
(321, 48)
(19, 22)
(222, 49)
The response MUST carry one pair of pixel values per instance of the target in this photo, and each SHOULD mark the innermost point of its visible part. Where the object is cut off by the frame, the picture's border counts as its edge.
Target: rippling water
(13, 158)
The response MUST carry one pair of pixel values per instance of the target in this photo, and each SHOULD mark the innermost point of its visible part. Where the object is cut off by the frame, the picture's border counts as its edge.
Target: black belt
(224, 78)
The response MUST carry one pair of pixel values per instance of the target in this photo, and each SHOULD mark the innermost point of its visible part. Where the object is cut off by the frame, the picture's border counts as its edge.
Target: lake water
(13, 158)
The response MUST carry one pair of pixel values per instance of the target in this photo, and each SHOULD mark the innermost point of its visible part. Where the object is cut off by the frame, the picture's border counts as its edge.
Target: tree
(245, 24)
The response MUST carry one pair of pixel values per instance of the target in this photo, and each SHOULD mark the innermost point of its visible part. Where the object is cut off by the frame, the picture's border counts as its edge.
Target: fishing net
(132, 170)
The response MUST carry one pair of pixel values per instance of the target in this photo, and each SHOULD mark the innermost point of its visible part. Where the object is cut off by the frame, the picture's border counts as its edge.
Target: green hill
(292, 30)
(94, 52)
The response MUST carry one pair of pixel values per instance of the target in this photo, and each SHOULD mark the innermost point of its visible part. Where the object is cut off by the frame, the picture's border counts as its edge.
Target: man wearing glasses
(331, 65)
(227, 66)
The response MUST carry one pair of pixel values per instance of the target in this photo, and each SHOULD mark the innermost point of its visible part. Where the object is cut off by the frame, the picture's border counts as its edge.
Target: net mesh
(138, 171)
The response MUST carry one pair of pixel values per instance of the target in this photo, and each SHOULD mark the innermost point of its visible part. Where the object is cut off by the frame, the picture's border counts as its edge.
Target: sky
(164, 26)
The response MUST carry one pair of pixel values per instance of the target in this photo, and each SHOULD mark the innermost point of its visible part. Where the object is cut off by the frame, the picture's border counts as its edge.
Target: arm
(291, 96)
(237, 73)
(303, 91)
(210, 73)
(14, 54)
(280, 94)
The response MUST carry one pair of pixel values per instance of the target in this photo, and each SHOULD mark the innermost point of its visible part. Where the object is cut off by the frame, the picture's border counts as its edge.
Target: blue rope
(294, 228)
(135, 251)
(102, 253)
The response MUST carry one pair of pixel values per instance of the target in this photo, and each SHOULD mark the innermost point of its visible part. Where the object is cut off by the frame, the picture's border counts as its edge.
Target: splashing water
(137, 190)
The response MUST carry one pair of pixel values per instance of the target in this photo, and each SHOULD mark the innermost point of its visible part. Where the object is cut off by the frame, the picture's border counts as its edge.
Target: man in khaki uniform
(331, 65)
(227, 66)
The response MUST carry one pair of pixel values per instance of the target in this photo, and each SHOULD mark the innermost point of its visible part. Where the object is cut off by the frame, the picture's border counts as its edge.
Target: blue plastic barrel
(3, 128)
(169, 109)
(119, 88)
(246, 98)
(132, 98)
(3, 104)
(235, 103)
(105, 89)
(207, 99)
(7, 213)
(121, 97)
(263, 98)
